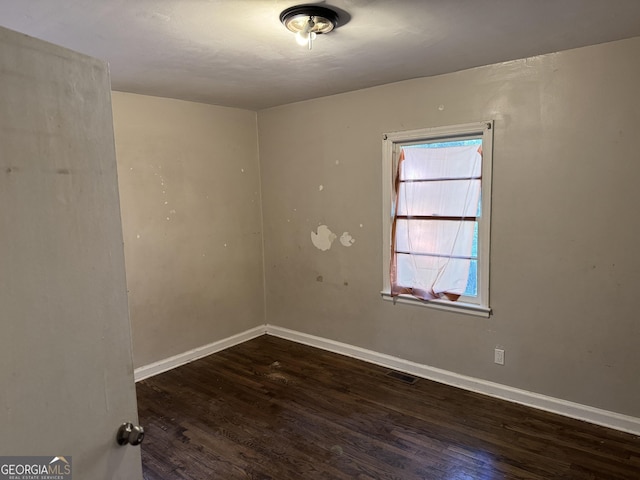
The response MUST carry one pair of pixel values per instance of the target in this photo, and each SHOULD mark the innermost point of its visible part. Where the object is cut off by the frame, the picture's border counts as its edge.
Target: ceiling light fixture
(307, 21)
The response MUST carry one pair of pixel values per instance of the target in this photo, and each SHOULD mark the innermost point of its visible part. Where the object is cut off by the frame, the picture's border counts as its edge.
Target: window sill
(464, 308)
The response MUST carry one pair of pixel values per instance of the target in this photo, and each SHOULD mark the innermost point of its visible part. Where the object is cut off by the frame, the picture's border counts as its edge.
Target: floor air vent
(403, 377)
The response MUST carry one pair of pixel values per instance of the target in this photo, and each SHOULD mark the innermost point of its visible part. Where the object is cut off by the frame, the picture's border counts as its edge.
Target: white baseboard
(578, 411)
(161, 366)
(597, 416)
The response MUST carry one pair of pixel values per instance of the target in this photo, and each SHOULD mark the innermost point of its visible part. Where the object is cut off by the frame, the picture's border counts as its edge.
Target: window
(437, 203)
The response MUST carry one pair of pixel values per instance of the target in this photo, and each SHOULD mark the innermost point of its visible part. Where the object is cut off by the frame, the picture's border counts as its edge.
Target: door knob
(131, 434)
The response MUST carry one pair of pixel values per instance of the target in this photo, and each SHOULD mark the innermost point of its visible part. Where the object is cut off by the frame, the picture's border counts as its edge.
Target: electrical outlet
(498, 356)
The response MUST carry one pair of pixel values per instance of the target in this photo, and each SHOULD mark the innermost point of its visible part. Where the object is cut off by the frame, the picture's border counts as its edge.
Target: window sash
(432, 274)
(450, 198)
(455, 162)
(434, 237)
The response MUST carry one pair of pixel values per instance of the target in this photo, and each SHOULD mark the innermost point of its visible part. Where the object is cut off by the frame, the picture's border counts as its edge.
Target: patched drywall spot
(347, 240)
(441, 107)
(320, 188)
(323, 239)
(361, 225)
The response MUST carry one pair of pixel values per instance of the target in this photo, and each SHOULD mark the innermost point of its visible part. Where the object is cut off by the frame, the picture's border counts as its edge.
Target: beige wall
(190, 195)
(565, 267)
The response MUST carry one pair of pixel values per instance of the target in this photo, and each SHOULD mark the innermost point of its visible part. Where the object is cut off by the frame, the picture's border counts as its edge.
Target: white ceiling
(237, 53)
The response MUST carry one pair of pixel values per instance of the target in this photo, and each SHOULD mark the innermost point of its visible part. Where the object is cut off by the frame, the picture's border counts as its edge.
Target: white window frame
(391, 145)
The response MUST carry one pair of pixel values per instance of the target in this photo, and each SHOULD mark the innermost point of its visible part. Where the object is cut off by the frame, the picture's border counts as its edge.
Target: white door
(66, 372)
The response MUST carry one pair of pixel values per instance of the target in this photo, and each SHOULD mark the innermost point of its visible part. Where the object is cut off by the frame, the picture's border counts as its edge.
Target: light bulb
(302, 38)
(306, 35)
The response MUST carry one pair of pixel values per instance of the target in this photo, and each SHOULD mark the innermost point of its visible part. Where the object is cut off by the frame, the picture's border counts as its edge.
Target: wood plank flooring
(270, 409)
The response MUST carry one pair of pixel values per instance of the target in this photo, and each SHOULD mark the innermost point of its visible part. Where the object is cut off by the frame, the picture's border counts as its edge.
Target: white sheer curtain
(437, 191)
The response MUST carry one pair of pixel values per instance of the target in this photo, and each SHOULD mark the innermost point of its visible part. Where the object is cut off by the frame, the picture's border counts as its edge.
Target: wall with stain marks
(190, 196)
(565, 267)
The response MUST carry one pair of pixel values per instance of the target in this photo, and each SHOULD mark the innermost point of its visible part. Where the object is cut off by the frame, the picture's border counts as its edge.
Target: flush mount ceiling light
(307, 21)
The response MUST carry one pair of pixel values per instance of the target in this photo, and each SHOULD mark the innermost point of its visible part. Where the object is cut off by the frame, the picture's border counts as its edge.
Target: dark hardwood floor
(274, 409)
